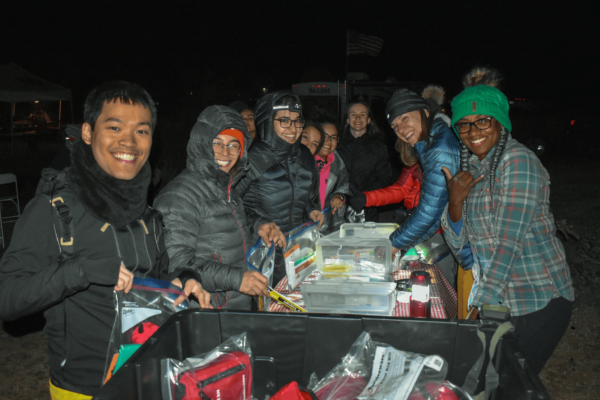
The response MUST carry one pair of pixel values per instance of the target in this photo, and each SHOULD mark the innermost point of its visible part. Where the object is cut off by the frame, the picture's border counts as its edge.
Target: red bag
(292, 391)
(228, 376)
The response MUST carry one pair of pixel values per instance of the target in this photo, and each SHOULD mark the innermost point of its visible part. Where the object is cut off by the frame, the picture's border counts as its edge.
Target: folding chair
(6, 179)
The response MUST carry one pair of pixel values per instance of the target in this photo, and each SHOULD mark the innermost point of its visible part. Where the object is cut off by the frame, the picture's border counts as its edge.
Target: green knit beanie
(481, 99)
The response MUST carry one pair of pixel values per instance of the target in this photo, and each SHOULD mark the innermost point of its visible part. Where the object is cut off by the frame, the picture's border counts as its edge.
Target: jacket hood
(264, 116)
(212, 121)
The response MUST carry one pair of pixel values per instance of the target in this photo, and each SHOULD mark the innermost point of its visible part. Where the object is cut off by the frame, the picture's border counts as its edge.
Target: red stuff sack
(228, 376)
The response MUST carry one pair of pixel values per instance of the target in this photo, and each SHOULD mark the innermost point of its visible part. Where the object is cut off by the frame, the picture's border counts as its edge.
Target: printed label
(434, 362)
(420, 293)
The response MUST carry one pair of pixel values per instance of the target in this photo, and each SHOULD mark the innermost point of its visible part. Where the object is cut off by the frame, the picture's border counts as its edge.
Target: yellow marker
(281, 299)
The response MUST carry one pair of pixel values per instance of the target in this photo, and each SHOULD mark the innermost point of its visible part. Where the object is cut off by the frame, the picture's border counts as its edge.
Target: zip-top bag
(140, 313)
(300, 253)
(223, 373)
(262, 259)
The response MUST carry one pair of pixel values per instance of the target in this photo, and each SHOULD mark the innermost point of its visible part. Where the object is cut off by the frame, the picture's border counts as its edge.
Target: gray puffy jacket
(206, 226)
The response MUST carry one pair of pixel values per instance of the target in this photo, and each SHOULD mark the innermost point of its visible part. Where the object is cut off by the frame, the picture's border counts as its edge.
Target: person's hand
(254, 284)
(459, 187)
(194, 287)
(336, 203)
(125, 281)
(395, 251)
(317, 215)
(271, 232)
(474, 313)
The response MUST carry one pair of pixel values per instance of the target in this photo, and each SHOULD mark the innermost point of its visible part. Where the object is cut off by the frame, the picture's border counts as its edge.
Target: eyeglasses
(332, 138)
(233, 148)
(286, 122)
(481, 124)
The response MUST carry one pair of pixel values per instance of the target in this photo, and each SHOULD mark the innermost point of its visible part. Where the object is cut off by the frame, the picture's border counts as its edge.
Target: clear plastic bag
(300, 253)
(224, 372)
(351, 216)
(140, 313)
(261, 258)
(373, 370)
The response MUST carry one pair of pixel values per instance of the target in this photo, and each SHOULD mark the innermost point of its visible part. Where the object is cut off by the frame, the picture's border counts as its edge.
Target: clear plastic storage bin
(349, 297)
(368, 230)
(366, 260)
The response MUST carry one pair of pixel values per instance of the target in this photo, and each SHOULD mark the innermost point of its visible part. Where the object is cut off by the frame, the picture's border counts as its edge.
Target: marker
(284, 300)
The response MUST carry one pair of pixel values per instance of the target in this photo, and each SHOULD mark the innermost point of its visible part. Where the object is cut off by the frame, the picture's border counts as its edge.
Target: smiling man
(87, 236)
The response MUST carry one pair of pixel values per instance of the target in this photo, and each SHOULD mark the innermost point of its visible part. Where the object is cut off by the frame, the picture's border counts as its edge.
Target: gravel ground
(573, 372)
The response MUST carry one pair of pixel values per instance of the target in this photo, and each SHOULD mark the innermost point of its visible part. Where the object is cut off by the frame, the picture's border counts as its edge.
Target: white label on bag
(392, 377)
(434, 362)
(420, 293)
(130, 317)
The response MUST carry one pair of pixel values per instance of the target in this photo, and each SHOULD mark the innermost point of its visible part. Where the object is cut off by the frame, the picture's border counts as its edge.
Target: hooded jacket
(205, 224)
(368, 164)
(282, 184)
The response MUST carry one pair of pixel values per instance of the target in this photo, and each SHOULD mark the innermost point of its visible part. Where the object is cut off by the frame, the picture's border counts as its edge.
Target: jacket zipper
(287, 167)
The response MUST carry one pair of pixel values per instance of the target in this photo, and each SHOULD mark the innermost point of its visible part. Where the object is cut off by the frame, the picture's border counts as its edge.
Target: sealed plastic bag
(139, 314)
(223, 373)
(373, 370)
(300, 253)
(260, 257)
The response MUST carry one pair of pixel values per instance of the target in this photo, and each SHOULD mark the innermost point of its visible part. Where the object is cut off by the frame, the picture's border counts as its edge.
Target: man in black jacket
(112, 236)
(364, 154)
(282, 184)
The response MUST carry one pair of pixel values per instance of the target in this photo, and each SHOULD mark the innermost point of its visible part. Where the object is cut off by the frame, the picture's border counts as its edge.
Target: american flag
(358, 44)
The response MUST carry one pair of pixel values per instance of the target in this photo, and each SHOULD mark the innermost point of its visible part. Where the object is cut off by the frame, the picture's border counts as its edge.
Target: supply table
(444, 301)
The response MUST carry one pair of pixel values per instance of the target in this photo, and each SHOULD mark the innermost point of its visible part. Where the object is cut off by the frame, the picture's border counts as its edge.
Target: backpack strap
(495, 329)
(51, 185)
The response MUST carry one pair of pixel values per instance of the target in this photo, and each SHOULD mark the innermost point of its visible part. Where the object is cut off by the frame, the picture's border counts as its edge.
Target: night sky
(175, 47)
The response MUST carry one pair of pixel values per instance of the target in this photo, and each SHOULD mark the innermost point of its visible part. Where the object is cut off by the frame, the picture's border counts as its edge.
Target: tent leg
(59, 115)
(12, 136)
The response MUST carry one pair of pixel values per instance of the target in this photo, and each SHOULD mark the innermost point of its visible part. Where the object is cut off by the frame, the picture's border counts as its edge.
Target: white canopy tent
(18, 85)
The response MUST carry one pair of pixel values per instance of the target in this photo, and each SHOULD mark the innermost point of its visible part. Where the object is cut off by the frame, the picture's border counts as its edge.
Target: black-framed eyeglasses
(332, 138)
(481, 124)
(232, 148)
(286, 122)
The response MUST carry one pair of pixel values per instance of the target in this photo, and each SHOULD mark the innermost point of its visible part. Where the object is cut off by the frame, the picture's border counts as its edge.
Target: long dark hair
(312, 124)
(407, 152)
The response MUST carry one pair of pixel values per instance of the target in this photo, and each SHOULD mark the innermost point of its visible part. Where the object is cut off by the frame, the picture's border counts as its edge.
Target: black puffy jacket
(282, 184)
(368, 165)
(206, 227)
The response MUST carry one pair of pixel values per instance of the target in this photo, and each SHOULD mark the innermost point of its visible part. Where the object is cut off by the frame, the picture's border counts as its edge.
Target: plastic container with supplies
(300, 252)
(290, 347)
(349, 297)
(368, 230)
(367, 260)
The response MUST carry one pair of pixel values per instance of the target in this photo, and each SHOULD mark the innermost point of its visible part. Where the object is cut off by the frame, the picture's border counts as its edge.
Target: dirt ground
(573, 372)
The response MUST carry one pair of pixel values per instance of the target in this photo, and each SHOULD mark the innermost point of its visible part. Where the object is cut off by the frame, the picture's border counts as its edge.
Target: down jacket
(206, 227)
(407, 188)
(282, 184)
(442, 150)
(368, 165)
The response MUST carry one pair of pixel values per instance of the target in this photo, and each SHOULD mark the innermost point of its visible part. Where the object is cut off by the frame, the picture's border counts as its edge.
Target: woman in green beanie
(500, 203)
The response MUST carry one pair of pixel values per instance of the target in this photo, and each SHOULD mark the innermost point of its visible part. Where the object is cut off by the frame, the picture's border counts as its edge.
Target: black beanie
(402, 102)
(239, 106)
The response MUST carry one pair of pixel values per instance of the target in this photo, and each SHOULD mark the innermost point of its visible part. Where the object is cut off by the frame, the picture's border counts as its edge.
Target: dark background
(546, 51)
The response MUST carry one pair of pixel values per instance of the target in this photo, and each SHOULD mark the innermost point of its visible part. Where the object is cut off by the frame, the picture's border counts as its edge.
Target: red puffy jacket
(407, 188)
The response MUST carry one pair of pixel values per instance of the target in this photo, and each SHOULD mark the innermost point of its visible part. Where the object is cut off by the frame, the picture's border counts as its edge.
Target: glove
(358, 199)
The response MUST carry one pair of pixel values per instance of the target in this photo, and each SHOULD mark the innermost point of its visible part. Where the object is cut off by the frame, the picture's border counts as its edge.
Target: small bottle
(420, 302)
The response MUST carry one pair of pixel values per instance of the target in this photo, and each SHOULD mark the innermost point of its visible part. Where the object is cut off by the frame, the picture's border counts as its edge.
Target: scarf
(107, 198)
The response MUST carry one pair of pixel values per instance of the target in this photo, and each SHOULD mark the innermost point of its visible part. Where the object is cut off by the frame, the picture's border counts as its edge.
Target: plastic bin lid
(368, 230)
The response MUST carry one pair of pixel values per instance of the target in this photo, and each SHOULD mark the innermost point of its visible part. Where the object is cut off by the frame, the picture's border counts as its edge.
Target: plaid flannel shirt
(518, 260)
